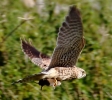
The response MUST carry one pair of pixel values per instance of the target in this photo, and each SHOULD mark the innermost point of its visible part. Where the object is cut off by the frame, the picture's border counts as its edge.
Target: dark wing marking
(35, 56)
(70, 41)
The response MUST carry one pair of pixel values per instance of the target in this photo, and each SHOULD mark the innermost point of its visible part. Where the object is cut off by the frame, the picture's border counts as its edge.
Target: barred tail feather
(34, 77)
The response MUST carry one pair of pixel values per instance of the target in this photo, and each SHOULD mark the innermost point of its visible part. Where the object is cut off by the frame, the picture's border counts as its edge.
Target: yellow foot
(55, 83)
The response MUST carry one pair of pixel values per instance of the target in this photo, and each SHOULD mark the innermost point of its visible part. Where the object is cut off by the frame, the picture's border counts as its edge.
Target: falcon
(62, 64)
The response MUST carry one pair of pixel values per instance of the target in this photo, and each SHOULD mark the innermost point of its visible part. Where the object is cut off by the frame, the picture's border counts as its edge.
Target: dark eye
(44, 65)
(83, 72)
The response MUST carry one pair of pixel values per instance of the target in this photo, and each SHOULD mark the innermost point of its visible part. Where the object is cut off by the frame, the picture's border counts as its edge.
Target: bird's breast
(66, 73)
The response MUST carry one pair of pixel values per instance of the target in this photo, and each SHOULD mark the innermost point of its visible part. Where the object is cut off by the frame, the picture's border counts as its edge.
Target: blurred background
(46, 18)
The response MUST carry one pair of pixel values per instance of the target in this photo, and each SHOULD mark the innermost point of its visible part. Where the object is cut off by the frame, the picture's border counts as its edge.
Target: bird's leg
(55, 83)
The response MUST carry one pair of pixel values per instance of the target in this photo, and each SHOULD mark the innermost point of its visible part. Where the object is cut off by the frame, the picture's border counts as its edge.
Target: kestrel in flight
(62, 65)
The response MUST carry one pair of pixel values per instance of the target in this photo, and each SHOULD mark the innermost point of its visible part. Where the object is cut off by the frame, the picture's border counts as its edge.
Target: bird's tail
(34, 77)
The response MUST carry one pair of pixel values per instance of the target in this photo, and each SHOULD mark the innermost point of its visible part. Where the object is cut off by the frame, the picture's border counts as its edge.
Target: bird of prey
(62, 64)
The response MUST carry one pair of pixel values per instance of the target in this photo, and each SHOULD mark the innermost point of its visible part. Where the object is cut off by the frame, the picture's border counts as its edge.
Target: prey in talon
(48, 82)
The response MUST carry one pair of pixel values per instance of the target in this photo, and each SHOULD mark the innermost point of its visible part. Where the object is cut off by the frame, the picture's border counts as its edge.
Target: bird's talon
(55, 83)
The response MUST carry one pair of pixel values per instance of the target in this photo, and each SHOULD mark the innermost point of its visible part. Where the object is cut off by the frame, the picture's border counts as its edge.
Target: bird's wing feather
(70, 41)
(35, 56)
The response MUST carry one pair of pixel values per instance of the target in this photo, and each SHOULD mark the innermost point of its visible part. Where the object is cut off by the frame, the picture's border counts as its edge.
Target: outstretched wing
(35, 56)
(70, 41)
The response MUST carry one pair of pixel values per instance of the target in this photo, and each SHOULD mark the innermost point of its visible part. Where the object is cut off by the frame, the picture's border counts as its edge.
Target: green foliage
(42, 30)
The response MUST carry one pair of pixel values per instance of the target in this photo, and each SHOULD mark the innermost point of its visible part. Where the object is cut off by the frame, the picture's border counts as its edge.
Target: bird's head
(81, 73)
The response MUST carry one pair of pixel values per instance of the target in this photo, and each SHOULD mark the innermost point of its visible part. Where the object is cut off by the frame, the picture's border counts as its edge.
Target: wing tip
(74, 10)
(23, 41)
(27, 45)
